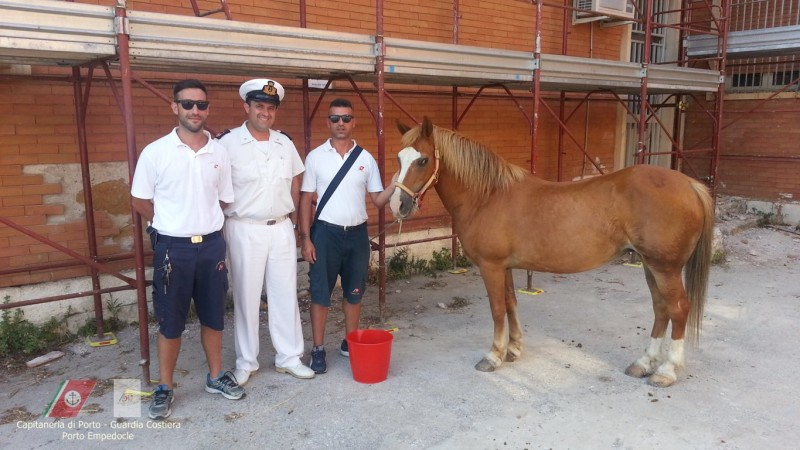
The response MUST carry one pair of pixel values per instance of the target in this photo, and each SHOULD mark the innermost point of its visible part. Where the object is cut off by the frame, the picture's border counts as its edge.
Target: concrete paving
(567, 391)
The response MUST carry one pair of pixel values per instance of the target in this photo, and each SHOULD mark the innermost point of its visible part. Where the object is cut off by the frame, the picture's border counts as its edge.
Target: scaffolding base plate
(534, 291)
(108, 339)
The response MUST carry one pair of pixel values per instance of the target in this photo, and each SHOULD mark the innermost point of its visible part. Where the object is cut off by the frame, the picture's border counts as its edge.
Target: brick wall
(38, 140)
(764, 133)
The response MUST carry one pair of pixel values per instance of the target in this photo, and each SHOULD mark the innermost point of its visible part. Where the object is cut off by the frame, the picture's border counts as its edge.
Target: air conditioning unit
(602, 10)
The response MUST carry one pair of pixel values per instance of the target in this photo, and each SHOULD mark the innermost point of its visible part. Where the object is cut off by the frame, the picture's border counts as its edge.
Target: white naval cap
(262, 90)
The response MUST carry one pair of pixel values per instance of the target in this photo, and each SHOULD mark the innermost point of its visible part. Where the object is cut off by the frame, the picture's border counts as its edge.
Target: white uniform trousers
(264, 256)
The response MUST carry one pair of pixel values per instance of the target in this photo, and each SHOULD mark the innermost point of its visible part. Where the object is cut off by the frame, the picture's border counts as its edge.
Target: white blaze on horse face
(406, 156)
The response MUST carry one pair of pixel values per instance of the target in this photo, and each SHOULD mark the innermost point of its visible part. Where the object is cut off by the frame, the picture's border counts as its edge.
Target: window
(784, 78)
(746, 80)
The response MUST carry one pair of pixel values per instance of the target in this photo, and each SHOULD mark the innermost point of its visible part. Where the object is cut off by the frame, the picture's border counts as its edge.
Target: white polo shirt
(185, 186)
(262, 173)
(347, 206)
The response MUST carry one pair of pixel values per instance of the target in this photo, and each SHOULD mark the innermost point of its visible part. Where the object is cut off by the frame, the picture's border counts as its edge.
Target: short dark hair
(341, 103)
(188, 84)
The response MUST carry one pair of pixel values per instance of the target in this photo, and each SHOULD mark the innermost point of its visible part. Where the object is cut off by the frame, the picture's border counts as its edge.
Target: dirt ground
(567, 391)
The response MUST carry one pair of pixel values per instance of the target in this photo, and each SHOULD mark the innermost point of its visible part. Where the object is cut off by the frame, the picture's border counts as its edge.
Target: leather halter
(416, 197)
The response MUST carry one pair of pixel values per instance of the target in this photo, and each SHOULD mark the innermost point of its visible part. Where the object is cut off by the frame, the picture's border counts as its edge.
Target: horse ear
(401, 126)
(427, 127)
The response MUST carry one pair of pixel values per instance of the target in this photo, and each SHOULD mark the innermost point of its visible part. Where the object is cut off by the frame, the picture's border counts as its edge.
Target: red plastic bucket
(370, 352)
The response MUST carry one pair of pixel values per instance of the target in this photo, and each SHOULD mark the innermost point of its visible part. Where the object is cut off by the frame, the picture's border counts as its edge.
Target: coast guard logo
(70, 398)
(73, 399)
(270, 88)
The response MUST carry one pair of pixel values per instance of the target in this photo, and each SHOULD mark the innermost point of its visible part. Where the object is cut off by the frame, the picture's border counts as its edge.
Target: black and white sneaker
(161, 406)
(225, 385)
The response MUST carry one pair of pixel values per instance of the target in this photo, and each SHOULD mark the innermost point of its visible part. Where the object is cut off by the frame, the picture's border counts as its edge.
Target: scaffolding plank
(762, 42)
(587, 74)
(57, 32)
(51, 32)
(169, 42)
(419, 61)
(663, 79)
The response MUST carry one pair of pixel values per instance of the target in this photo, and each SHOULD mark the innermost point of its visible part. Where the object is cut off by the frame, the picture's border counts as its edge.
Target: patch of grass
(400, 265)
(18, 336)
(462, 260)
(441, 259)
(764, 218)
(111, 324)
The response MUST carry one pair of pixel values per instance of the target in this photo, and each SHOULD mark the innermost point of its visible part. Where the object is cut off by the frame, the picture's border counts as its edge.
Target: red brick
(14, 251)
(49, 210)
(21, 180)
(22, 200)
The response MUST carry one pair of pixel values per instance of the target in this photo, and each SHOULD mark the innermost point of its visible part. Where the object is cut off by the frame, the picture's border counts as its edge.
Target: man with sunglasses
(182, 182)
(260, 231)
(338, 243)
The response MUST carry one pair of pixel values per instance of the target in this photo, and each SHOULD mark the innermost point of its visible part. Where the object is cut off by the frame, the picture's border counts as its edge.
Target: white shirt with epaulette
(262, 173)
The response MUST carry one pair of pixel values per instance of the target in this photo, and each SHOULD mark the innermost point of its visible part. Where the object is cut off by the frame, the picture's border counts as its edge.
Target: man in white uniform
(259, 229)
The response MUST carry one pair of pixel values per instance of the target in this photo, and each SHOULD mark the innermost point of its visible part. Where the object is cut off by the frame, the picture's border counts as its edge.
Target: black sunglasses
(346, 118)
(190, 104)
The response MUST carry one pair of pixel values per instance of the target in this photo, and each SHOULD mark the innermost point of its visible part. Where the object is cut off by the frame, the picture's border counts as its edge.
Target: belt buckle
(197, 239)
(272, 222)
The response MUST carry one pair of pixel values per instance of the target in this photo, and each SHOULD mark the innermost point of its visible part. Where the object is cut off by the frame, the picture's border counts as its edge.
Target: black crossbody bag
(335, 183)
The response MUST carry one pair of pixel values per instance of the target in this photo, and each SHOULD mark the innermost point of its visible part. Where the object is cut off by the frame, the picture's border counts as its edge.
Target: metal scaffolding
(43, 32)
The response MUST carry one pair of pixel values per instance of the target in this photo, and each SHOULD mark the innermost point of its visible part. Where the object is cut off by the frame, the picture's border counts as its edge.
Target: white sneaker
(298, 371)
(242, 376)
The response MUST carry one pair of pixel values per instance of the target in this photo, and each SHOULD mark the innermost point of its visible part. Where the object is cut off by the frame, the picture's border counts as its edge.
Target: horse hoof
(636, 371)
(510, 357)
(485, 365)
(660, 381)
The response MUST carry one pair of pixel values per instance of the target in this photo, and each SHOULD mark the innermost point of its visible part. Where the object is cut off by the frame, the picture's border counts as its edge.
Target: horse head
(419, 167)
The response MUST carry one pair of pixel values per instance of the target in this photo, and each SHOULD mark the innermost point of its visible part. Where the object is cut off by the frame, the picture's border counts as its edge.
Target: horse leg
(514, 329)
(647, 364)
(674, 304)
(494, 279)
(677, 305)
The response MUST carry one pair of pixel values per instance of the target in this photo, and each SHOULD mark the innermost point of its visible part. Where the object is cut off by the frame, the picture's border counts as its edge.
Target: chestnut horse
(509, 219)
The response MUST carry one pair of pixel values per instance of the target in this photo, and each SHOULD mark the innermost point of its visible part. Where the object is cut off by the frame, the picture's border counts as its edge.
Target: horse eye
(423, 161)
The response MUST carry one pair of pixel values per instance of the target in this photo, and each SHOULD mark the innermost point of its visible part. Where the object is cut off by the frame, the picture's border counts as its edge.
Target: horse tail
(697, 268)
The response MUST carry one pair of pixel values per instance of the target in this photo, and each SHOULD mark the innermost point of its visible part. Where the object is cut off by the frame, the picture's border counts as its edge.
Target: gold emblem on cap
(270, 88)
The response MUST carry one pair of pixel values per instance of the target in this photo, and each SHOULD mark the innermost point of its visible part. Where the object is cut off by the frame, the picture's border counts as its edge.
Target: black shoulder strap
(222, 133)
(337, 179)
(285, 134)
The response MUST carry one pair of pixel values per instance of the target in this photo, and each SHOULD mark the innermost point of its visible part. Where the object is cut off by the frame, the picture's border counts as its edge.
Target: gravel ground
(567, 391)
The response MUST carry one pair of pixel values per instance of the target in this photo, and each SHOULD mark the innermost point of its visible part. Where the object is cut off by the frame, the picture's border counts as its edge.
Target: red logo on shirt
(360, 167)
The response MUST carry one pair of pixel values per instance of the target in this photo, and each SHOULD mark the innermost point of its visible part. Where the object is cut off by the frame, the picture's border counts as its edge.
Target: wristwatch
(294, 225)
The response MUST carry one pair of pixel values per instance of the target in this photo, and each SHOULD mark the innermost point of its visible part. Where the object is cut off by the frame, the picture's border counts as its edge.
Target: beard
(194, 127)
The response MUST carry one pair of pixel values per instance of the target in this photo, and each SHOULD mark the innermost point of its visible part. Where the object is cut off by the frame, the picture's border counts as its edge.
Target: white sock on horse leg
(650, 359)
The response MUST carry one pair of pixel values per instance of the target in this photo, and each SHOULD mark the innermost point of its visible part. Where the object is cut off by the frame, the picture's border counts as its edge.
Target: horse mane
(473, 164)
